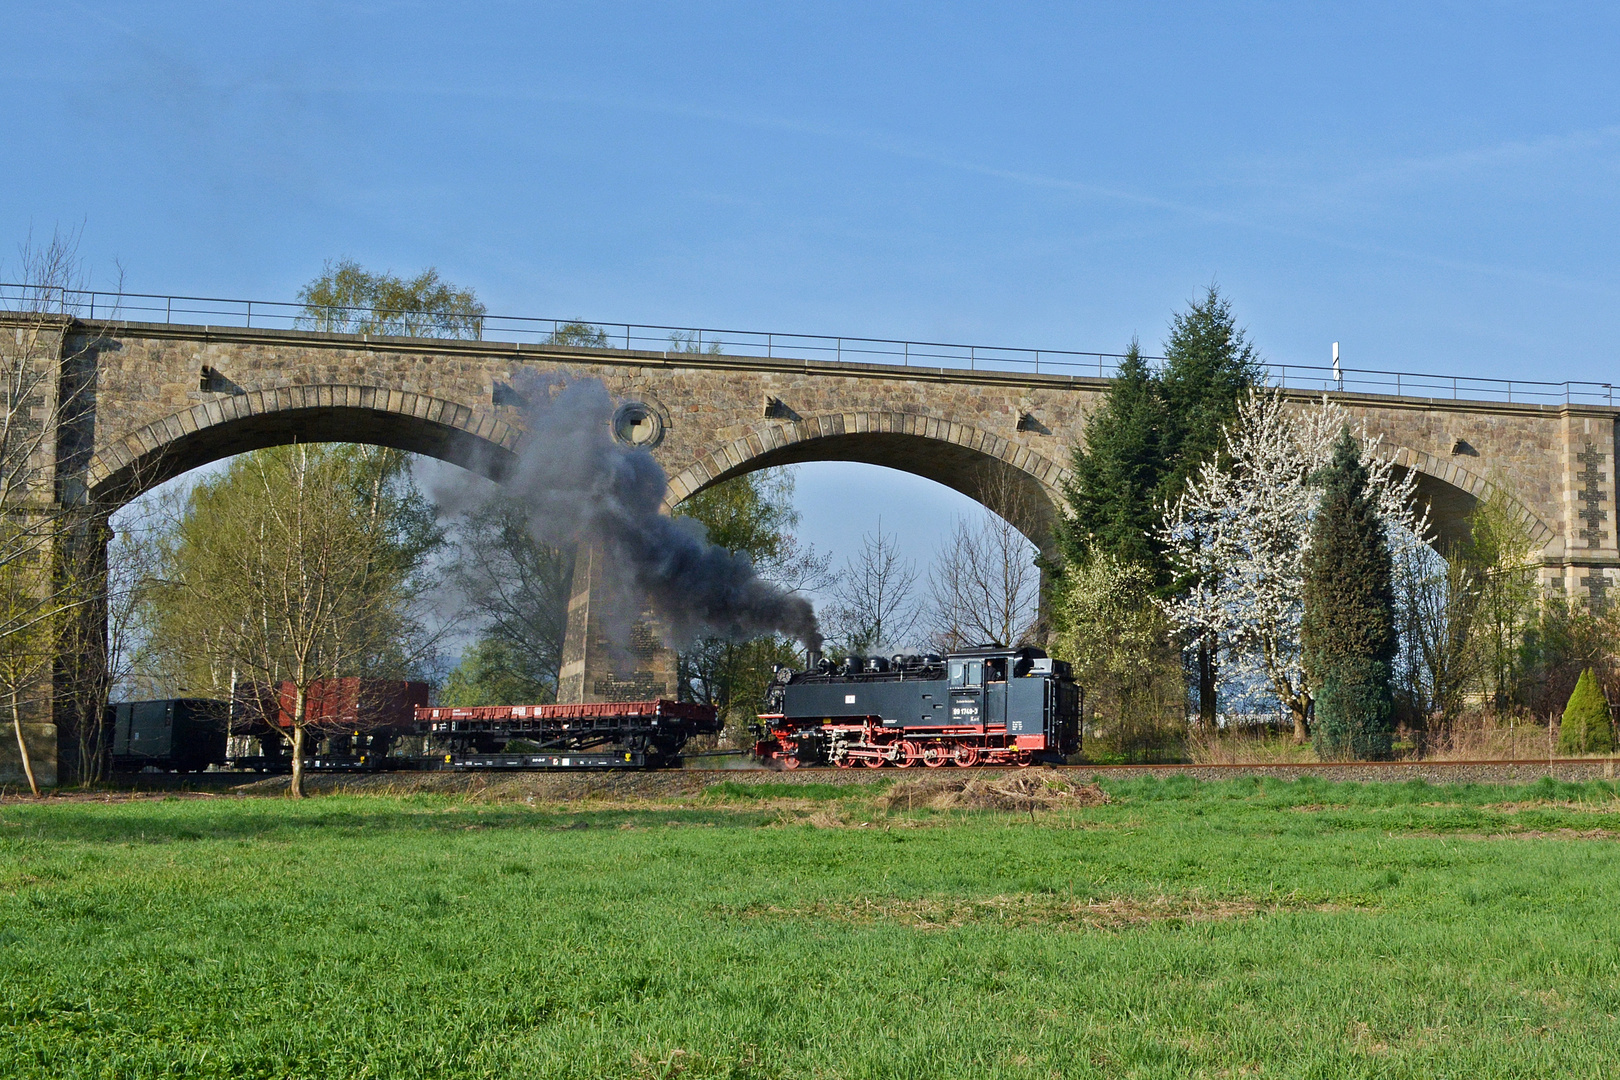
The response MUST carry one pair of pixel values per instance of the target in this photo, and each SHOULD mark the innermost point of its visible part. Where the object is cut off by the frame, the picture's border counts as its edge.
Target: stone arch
(327, 412)
(960, 456)
(1452, 492)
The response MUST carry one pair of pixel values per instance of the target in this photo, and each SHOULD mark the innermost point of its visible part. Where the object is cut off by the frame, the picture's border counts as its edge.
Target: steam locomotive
(985, 706)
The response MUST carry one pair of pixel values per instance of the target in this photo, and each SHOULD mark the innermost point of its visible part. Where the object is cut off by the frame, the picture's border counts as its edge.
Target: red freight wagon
(356, 704)
(353, 722)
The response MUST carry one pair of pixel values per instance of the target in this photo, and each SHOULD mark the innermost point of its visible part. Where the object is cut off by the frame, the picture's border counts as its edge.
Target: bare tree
(517, 588)
(1438, 605)
(984, 584)
(873, 606)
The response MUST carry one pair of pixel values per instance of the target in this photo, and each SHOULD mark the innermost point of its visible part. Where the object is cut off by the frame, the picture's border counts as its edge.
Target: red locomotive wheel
(910, 754)
(872, 762)
(789, 761)
(844, 762)
(1025, 759)
(934, 755)
(965, 756)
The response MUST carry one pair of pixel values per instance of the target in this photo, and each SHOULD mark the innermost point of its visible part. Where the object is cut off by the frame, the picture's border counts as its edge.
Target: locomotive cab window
(967, 672)
(995, 670)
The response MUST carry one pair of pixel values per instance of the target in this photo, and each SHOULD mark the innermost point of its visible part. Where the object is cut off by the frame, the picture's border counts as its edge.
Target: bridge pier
(596, 667)
(1584, 560)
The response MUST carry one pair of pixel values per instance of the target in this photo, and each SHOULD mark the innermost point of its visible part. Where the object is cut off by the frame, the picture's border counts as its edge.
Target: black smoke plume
(579, 486)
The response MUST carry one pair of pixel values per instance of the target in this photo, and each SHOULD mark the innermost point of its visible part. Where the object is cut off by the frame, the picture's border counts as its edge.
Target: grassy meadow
(1239, 928)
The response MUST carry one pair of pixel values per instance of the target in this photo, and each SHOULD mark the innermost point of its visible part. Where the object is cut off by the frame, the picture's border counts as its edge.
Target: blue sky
(1432, 185)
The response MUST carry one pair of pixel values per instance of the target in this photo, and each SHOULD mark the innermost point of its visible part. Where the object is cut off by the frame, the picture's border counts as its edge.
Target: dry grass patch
(1027, 790)
(1024, 910)
(1610, 807)
(1520, 834)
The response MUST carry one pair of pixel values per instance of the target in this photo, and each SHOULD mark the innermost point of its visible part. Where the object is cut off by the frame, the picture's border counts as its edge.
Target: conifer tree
(1210, 367)
(1587, 727)
(1348, 628)
(1116, 474)
(1153, 432)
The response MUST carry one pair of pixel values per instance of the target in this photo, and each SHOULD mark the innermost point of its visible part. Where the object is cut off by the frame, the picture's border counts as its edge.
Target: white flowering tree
(1241, 529)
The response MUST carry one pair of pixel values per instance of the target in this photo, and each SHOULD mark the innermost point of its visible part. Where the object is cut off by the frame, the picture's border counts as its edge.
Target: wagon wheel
(933, 755)
(1024, 759)
(965, 756)
(910, 754)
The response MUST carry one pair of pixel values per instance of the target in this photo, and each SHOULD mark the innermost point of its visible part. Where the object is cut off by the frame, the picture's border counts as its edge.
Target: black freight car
(173, 735)
(984, 706)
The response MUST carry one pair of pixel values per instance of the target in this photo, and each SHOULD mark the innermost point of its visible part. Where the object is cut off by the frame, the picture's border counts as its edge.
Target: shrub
(1587, 727)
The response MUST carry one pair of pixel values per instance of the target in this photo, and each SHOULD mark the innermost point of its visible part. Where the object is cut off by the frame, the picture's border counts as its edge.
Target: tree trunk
(1297, 711)
(1207, 704)
(297, 788)
(22, 743)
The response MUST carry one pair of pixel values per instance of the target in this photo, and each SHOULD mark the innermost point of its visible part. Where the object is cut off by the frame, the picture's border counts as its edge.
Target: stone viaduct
(159, 399)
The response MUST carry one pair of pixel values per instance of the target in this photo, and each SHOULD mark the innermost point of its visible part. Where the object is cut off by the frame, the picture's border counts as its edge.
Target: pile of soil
(1026, 790)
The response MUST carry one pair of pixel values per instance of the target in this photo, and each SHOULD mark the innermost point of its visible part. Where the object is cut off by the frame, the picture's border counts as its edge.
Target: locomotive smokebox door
(967, 692)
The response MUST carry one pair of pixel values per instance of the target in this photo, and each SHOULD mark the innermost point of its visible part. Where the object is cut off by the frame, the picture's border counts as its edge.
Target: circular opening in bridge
(636, 424)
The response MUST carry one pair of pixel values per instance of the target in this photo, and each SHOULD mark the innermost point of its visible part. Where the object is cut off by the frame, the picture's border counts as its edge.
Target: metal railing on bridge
(719, 343)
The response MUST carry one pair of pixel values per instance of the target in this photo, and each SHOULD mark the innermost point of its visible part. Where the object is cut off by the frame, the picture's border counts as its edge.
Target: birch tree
(1241, 530)
(46, 521)
(283, 574)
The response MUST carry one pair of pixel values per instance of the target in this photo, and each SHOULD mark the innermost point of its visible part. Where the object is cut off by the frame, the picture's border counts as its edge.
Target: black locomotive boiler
(983, 706)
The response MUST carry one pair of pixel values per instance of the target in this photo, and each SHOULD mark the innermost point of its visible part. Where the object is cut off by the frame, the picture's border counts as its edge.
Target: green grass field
(1242, 928)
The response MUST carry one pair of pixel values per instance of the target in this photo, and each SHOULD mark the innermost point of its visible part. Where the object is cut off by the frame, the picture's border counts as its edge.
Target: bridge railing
(720, 342)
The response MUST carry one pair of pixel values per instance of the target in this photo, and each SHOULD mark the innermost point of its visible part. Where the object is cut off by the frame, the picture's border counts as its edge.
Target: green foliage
(752, 514)
(1503, 555)
(1119, 641)
(691, 342)
(267, 543)
(1348, 629)
(492, 673)
(1188, 929)
(1150, 435)
(1152, 432)
(1438, 663)
(1587, 728)
(1210, 365)
(1116, 476)
(578, 334)
(349, 299)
